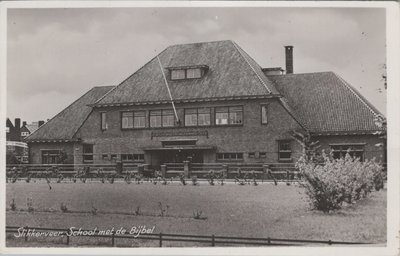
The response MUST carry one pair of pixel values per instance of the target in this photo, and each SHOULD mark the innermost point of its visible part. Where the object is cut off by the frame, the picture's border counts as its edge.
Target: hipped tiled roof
(326, 103)
(65, 124)
(231, 73)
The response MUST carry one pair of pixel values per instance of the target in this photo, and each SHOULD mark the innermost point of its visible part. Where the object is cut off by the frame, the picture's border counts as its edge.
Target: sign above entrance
(178, 133)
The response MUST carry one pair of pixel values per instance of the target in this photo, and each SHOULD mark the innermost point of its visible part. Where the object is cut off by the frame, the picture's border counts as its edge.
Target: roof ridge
(369, 106)
(204, 42)
(252, 68)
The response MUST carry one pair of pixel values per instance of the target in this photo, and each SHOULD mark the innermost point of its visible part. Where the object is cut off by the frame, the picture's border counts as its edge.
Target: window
(198, 117)
(188, 73)
(178, 74)
(51, 156)
(284, 151)
(87, 153)
(136, 119)
(263, 154)
(264, 117)
(340, 151)
(24, 134)
(252, 154)
(139, 119)
(126, 157)
(138, 157)
(103, 121)
(162, 118)
(230, 156)
(104, 156)
(127, 120)
(113, 157)
(193, 73)
(229, 115)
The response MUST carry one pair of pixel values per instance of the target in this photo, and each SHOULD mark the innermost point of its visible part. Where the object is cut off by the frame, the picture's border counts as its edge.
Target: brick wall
(252, 136)
(35, 151)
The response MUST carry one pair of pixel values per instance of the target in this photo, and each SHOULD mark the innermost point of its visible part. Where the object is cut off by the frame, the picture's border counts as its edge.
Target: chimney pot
(289, 59)
(41, 122)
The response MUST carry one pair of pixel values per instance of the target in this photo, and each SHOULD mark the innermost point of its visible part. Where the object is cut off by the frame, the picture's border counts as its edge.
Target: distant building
(210, 102)
(17, 150)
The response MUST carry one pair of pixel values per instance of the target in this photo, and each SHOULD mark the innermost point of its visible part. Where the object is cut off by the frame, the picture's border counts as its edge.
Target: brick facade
(251, 137)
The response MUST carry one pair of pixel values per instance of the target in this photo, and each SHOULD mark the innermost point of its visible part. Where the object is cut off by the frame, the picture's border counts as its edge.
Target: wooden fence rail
(210, 240)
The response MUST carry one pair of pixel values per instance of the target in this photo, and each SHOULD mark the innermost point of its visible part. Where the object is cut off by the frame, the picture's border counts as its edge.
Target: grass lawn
(232, 210)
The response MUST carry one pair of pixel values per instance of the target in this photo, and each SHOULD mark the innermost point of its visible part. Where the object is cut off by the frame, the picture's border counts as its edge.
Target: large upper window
(340, 151)
(136, 119)
(229, 115)
(198, 117)
(162, 118)
(186, 73)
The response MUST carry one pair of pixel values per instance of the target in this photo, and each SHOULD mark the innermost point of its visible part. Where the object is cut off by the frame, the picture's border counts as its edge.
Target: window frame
(87, 154)
(197, 117)
(133, 119)
(103, 125)
(343, 152)
(162, 118)
(229, 158)
(185, 71)
(42, 154)
(280, 159)
(229, 113)
(266, 107)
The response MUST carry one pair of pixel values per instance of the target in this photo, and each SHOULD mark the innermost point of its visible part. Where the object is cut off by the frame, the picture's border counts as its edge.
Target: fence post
(186, 169)
(225, 170)
(163, 170)
(269, 240)
(212, 240)
(160, 239)
(113, 239)
(67, 237)
(330, 242)
(265, 170)
(26, 237)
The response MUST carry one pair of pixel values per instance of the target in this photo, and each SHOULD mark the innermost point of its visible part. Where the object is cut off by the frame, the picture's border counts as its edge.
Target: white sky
(56, 55)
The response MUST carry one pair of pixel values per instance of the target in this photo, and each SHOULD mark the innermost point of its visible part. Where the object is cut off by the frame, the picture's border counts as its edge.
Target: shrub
(138, 211)
(182, 179)
(197, 215)
(13, 205)
(211, 177)
(194, 181)
(63, 207)
(163, 211)
(331, 182)
(29, 204)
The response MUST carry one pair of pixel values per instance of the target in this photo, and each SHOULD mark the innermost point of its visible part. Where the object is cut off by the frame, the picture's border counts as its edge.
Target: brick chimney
(289, 59)
(23, 123)
(41, 122)
(17, 123)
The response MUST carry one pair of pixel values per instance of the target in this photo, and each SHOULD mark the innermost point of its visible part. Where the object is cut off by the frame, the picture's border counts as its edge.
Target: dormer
(187, 72)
